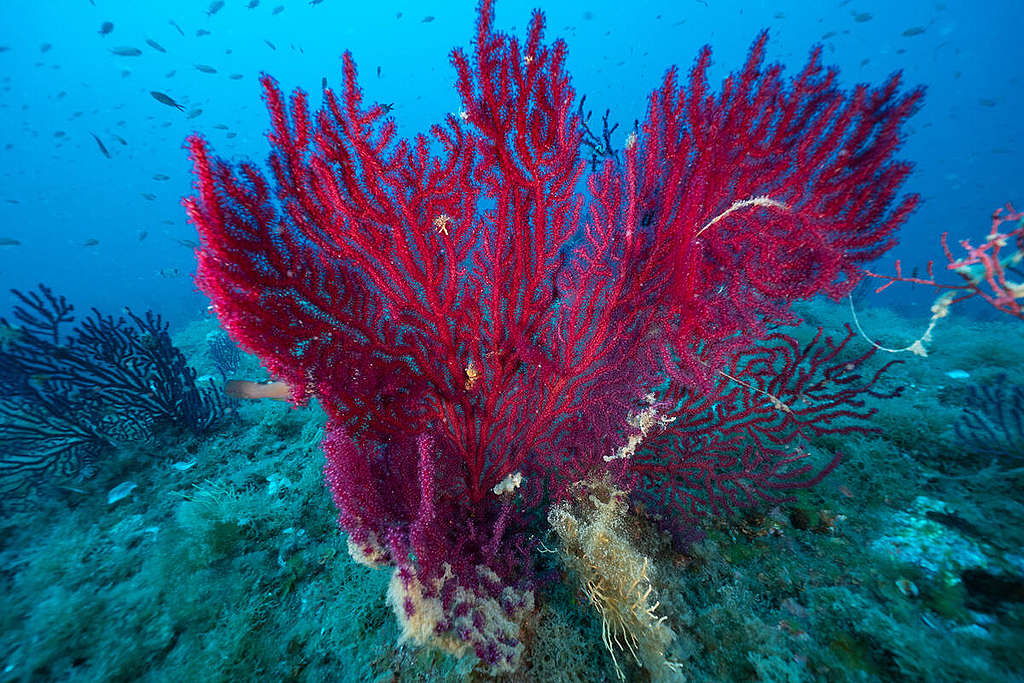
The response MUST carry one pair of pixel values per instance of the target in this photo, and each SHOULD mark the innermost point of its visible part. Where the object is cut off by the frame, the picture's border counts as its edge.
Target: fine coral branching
(985, 272)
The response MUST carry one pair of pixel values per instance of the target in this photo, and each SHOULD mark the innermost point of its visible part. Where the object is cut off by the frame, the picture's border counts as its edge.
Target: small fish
(163, 98)
(270, 44)
(427, 19)
(191, 244)
(161, 176)
(170, 73)
(194, 113)
(148, 195)
(914, 31)
(323, 83)
(205, 68)
(236, 77)
(120, 139)
(9, 242)
(230, 135)
(315, 2)
(121, 491)
(103, 148)
(143, 234)
(169, 272)
(277, 10)
(253, 4)
(241, 388)
(215, 6)
(378, 72)
(387, 107)
(126, 51)
(155, 45)
(202, 32)
(45, 47)
(175, 25)
(106, 27)
(91, 242)
(220, 126)
(861, 17)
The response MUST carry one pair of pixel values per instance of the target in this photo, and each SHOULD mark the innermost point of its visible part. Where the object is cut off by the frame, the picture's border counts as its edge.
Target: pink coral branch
(983, 265)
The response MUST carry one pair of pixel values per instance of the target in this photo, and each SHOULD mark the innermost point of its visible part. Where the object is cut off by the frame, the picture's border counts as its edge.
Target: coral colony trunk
(484, 326)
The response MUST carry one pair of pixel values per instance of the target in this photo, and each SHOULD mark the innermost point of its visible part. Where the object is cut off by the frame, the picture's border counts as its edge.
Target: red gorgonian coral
(468, 307)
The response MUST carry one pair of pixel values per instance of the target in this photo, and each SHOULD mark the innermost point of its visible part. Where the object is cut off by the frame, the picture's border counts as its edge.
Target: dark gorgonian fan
(992, 423)
(73, 390)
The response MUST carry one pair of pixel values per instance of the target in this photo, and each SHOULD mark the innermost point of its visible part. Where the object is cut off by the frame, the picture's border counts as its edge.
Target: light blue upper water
(61, 83)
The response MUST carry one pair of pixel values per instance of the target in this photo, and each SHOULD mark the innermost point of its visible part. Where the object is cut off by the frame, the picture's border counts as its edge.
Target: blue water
(965, 140)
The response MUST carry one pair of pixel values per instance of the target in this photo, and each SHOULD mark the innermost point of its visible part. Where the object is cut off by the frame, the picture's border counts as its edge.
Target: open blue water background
(61, 83)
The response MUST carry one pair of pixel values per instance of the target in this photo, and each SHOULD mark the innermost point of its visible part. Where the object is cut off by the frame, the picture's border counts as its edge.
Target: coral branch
(984, 269)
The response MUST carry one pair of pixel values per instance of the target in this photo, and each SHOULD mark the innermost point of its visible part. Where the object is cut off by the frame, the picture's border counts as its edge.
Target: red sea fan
(437, 285)
(468, 310)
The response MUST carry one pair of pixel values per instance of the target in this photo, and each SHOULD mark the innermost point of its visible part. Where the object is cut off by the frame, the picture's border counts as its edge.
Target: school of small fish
(124, 48)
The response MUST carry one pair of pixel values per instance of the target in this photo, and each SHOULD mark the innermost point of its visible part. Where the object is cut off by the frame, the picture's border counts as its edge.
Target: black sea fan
(72, 391)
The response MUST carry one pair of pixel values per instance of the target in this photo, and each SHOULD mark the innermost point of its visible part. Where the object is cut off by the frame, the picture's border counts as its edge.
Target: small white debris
(183, 466)
(509, 484)
(958, 374)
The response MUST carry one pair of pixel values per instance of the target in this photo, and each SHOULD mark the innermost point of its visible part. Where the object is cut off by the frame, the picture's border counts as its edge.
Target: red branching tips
(768, 191)
(985, 270)
(465, 285)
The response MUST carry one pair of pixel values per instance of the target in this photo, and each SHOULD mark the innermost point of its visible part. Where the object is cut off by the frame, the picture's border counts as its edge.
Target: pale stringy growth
(615, 576)
(940, 309)
(763, 201)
